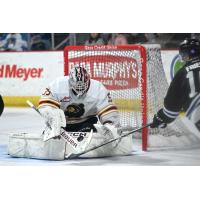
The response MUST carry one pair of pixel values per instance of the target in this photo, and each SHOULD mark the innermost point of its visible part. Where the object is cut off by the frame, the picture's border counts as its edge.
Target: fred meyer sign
(8, 71)
(28, 73)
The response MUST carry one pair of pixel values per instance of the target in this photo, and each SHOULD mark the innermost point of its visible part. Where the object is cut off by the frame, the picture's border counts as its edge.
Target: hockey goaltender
(80, 115)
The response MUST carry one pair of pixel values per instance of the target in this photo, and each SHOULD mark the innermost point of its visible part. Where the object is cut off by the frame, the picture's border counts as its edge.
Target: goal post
(135, 77)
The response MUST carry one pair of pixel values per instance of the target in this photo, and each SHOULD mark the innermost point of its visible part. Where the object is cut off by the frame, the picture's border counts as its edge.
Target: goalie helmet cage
(135, 77)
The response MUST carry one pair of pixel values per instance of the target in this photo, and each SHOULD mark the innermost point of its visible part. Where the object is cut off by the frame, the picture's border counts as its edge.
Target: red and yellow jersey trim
(107, 110)
(48, 102)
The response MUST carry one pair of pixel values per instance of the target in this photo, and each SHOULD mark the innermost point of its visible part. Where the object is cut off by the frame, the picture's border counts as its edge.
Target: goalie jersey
(184, 91)
(95, 102)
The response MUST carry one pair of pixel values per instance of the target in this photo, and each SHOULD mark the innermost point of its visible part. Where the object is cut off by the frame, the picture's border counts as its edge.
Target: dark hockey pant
(85, 126)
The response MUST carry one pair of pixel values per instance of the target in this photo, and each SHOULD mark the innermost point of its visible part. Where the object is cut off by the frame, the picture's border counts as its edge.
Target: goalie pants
(85, 126)
(1, 105)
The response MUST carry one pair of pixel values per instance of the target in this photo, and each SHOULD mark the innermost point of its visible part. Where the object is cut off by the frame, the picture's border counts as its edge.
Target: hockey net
(135, 77)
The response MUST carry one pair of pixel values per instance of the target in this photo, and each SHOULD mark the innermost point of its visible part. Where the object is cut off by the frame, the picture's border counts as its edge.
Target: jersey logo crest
(75, 110)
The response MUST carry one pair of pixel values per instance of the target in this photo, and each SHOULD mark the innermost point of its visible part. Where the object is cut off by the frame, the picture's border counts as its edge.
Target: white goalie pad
(27, 145)
(77, 146)
(104, 134)
(120, 147)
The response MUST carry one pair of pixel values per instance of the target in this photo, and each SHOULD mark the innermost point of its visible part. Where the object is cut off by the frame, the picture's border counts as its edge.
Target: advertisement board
(24, 75)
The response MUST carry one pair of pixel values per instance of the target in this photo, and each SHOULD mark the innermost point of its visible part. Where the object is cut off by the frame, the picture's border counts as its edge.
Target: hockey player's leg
(1, 105)
(28, 145)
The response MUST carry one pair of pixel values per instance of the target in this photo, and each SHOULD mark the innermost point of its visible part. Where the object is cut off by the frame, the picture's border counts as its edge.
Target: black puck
(80, 138)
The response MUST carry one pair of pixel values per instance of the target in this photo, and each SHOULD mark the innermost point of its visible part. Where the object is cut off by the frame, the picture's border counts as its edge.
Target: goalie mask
(79, 80)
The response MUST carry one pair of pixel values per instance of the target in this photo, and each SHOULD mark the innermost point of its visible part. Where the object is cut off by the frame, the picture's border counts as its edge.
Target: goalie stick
(108, 142)
(70, 140)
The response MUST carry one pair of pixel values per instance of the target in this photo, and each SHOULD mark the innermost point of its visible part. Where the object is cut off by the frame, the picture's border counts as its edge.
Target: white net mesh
(120, 69)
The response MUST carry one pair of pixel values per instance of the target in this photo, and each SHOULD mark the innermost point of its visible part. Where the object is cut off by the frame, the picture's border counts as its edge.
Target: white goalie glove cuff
(112, 129)
(55, 119)
(108, 131)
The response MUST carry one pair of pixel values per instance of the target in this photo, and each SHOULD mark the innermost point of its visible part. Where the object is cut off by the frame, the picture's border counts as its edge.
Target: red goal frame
(142, 51)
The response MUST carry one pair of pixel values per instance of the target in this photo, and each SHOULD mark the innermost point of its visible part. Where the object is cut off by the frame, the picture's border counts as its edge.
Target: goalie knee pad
(28, 145)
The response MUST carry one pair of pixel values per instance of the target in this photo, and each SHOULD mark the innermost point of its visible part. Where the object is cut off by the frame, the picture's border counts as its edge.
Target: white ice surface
(19, 120)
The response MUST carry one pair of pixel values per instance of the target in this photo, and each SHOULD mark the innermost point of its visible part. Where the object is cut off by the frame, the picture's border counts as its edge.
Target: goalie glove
(160, 120)
(55, 120)
(108, 131)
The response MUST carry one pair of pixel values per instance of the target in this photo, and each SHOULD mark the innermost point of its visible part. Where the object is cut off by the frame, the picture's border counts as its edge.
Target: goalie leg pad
(121, 147)
(27, 145)
(124, 147)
